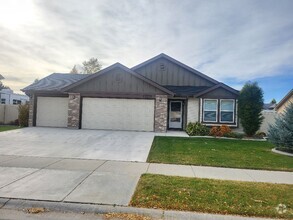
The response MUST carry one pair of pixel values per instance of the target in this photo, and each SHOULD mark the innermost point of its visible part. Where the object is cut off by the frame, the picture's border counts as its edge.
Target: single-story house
(281, 106)
(8, 97)
(156, 95)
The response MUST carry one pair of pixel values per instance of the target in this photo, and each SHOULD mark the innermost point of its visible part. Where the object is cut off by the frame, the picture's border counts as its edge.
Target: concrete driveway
(82, 144)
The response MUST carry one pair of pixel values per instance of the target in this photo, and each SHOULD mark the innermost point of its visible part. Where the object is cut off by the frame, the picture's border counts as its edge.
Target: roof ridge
(171, 59)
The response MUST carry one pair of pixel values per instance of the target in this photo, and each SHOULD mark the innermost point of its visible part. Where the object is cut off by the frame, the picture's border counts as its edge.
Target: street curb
(281, 152)
(18, 204)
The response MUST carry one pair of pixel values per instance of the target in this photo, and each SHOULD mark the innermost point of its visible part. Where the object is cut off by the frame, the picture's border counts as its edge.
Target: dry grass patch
(214, 196)
(126, 216)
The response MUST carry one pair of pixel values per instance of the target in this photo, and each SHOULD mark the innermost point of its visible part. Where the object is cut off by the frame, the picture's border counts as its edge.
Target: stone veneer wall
(73, 110)
(31, 111)
(161, 113)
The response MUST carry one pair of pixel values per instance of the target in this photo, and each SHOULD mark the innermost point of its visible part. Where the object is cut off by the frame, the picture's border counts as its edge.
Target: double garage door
(99, 113)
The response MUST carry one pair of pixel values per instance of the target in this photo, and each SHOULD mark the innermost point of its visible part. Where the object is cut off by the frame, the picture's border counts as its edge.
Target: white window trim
(233, 111)
(209, 110)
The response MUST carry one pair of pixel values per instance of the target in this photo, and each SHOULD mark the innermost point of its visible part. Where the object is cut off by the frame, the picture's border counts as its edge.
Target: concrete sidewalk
(102, 182)
(222, 173)
(135, 168)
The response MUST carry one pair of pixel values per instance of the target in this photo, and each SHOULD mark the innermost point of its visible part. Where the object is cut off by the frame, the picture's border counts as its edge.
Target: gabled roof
(289, 94)
(220, 85)
(116, 65)
(162, 55)
(55, 82)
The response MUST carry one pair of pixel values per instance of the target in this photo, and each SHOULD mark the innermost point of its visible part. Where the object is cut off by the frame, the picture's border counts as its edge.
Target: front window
(3, 101)
(16, 102)
(210, 110)
(227, 111)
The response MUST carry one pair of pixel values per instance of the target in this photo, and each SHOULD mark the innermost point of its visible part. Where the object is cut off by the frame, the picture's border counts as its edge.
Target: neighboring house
(269, 106)
(284, 102)
(7, 96)
(156, 95)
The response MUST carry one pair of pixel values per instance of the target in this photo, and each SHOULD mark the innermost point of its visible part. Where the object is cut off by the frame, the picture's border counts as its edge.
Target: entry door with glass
(175, 114)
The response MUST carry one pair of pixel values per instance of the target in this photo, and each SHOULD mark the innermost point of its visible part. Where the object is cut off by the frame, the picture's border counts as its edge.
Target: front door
(175, 114)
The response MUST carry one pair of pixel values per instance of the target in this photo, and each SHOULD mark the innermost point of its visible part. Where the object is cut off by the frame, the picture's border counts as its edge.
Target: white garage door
(118, 114)
(52, 111)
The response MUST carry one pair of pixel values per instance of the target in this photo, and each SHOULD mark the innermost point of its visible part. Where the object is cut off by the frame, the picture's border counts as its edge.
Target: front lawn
(8, 127)
(219, 153)
(214, 196)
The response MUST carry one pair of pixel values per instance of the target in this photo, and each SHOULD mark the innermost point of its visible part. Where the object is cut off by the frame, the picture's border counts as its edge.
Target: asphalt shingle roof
(186, 90)
(58, 81)
(55, 82)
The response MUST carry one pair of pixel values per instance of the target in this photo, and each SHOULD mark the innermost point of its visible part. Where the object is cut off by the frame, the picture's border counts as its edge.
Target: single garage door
(52, 111)
(118, 114)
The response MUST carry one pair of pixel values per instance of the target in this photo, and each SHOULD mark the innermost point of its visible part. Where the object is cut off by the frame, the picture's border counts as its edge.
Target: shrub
(234, 135)
(250, 103)
(214, 131)
(281, 133)
(220, 131)
(23, 114)
(194, 129)
(260, 134)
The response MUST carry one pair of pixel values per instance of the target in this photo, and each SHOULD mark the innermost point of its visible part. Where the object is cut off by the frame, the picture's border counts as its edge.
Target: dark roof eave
(220, 85)
(31, 91)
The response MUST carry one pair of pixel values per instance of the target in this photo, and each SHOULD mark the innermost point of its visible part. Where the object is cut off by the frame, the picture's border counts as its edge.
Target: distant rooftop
(269, 106)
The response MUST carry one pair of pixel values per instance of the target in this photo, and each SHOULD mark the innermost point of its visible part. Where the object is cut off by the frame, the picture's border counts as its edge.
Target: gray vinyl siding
(172, 74)
(117, 81)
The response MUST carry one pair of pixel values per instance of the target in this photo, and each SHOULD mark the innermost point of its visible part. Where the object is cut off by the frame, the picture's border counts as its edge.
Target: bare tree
(74, 70)
(92, 65)
(2, 86)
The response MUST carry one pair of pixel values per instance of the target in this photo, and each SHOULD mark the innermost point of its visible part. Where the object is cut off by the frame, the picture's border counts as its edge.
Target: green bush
(197, 129)
(250, 104)
(281, 133)
(23, 114)
(234, 135)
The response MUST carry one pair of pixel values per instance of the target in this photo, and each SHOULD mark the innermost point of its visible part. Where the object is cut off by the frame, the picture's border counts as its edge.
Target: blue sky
(233, 41)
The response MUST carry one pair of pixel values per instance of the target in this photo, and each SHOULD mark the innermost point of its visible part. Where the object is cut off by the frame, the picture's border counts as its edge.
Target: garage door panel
(52, 111)
(118, 114)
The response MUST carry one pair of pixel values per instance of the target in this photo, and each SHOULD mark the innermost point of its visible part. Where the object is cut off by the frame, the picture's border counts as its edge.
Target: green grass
(213, 196)
(8, 127)
(219, 153)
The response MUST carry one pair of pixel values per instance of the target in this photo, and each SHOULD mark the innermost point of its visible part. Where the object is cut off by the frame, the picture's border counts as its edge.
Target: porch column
(31, 110)
(161, 113)
(73, 110)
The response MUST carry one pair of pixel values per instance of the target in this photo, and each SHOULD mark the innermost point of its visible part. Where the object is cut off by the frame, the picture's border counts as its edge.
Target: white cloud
(229, 39)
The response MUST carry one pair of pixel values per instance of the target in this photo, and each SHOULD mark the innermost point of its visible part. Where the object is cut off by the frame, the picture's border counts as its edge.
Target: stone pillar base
(73, 110)
(161, 113)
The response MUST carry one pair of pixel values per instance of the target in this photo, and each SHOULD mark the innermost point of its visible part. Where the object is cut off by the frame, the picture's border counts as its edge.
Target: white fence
(8, 114)
(269, 118)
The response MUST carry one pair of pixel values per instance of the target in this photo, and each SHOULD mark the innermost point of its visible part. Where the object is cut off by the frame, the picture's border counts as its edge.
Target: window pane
(210, 105)
(227, 116)
(209, 116)
(175, 106)
(227, 105)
